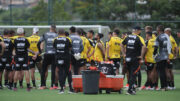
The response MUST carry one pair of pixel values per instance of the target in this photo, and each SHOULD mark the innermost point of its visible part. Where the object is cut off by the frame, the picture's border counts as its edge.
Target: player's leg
(44, 71)
(25, 68)
(16, 77)
(6, 78)
(171, 83)
(1, 72)
(161, 68)
(61, 79)
(53, 69)
(21, 78)
(32, 70)
(132, 77)
(39, 64)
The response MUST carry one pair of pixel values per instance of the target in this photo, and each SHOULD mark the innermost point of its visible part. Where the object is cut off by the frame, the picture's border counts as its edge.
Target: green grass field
(52, 95)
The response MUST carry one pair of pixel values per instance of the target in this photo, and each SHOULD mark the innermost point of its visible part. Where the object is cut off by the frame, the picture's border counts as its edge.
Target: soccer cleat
(28, 89)
(152, 88)
(55, 87)
(15, 89)
(61, 91)
(43, 87)
(143, 87)
(71, 91)
(148, 88)
(127, 85)
(51, 88)
(173, 88)
(157, 89)
(21, 87)
(131, 93)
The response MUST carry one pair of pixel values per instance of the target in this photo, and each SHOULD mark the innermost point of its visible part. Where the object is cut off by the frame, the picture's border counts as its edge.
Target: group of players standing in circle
(70, 53)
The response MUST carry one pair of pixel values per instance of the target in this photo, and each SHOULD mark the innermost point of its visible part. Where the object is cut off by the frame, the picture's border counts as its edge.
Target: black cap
(137, 28)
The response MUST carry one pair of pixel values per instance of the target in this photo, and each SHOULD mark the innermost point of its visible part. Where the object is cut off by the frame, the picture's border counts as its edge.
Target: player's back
(21, 45)
(9, 46)
(114, 47)
(149, 54)
(33, 40)
(62, 46)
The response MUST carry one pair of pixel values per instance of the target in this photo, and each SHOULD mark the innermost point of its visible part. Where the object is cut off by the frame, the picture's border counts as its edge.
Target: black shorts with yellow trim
(6, 63)
(116, 61)
(21, 63)
(32, 62)
(149, 66)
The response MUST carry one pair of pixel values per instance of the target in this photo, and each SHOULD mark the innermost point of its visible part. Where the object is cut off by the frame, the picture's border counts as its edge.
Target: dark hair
(110, 33)
(66, 33)
(117, 31)
(11, 32)
(53, 26)
(83, 32)
(79, 31)
(6, 32)
(100, 35)
(72, 29)
(91, 31)
(149, 33)
(61, 31)
(161, 28)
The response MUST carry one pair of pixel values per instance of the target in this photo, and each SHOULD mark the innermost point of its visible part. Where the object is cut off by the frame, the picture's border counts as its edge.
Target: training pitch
(52, 95)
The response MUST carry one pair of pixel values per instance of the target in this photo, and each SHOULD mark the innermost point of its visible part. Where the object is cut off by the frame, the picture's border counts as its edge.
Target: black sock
(146, 84)
(169, 83)
(172, 83)
(70, 86)
(34, 82)
(10, 84)
(151, 84)
(15, 85)
(56, 84)
(5, 82)
(0, 83)
(156, 84)
(28, 85)
(20, 83)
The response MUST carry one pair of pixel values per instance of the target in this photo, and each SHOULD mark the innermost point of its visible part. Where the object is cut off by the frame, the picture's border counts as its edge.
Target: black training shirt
(133, 46)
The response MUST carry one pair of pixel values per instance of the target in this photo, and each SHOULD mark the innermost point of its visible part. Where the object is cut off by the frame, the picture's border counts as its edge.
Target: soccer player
(85, 51)
(48, 57)
(149, 62)
(62, 45)
(2, 47)
(90, 55)
(137, 31)
(21, 45)
(77, 48)
(114, 49)
(107, 42)
(133, 56)
(34, 55)
(172, 56)
(99, 54)
(6, 59)
(163, 47)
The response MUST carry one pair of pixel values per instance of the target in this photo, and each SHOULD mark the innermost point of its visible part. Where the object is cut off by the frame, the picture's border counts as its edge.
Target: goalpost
(45, 28)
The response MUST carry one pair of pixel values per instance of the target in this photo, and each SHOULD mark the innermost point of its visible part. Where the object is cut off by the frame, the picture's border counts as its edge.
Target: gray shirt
(77, 43)
(49, 38)
(162, 43)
